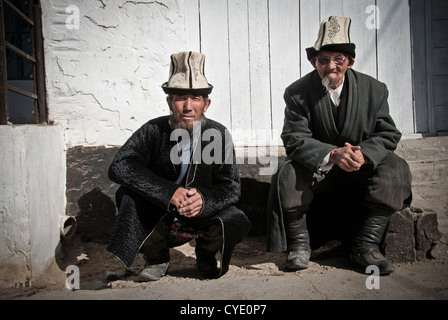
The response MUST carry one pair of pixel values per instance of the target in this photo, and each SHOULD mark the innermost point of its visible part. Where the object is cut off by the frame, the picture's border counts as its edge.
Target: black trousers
(156, 247)
(337, 202)
(384, 190)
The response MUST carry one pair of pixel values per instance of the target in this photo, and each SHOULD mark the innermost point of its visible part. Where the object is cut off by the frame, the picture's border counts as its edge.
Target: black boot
(366, 244)
(207, 264)
(207, 246)
(298, 241)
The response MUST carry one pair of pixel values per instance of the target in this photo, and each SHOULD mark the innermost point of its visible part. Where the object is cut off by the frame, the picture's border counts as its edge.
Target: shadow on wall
(96, 217)
(253, 202)
(324, 220)
(90, 193)
(94, 222)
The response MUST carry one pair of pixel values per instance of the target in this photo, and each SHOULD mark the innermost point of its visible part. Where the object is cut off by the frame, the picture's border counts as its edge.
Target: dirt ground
(253, 274)
(100, 269)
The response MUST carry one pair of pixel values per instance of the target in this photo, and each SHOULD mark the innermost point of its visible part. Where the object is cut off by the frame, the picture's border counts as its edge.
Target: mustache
(182, 125)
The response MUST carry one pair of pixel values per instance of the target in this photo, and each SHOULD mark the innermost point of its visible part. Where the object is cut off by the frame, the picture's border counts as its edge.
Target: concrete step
(429, 149)
(428, 172)
(428, 160)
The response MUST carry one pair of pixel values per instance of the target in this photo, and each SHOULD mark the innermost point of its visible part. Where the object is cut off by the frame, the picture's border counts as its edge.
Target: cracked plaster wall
(104, 77)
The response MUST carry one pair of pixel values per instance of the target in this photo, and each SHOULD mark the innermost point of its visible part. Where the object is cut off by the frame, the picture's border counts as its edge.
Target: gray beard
(328, 84)
(182, 125)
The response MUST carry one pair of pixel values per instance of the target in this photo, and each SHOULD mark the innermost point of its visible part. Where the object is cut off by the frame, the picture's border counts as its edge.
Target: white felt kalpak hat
(187, 74)
(334, 35)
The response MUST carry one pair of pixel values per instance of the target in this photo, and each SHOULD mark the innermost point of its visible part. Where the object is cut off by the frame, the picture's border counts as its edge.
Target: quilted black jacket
(143, 165)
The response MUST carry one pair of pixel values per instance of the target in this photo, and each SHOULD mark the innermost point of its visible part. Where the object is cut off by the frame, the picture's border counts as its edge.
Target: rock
(439, 251)
(413, 235)
(400, 241)
(426, 233)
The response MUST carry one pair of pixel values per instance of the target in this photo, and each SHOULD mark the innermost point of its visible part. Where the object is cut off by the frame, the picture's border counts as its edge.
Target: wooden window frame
(36, 57)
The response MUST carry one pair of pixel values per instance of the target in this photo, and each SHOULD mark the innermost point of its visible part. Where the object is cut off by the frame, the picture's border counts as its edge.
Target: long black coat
(310, 133)
(143, 166)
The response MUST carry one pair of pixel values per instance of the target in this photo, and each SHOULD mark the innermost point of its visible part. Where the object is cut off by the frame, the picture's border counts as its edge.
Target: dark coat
(143, 165)
(310, 132)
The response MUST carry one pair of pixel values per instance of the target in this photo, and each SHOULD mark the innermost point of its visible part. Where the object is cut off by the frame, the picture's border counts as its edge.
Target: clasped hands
(188, 202)
(349, 158)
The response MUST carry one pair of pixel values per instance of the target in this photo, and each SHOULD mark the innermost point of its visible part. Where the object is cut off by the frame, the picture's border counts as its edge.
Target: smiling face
(187, 109)
(332, 67)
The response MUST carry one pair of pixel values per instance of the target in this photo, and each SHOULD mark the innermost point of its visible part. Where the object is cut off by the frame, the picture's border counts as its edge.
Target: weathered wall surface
(104, 73)
(32, 200)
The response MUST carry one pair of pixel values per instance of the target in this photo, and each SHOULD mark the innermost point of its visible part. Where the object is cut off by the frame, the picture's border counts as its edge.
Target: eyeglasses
(336, 60)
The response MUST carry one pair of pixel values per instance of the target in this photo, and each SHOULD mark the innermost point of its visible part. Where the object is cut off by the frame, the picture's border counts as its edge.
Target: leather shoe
(153, 272)
(373, 258)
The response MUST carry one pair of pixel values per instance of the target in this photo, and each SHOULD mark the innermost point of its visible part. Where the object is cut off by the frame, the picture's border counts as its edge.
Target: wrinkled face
(332, 66)
(187, 109)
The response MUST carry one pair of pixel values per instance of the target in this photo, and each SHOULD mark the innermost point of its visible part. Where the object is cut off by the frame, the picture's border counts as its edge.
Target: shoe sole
(147, 278)
(295, 267)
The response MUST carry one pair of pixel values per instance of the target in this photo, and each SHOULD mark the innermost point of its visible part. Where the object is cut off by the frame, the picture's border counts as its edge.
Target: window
(22, 76)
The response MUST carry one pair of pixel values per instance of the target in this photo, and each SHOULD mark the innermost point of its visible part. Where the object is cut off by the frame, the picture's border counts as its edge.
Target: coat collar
(352, 106)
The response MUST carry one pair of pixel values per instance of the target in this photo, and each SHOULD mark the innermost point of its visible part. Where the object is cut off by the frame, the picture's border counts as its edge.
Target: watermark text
(373, 281)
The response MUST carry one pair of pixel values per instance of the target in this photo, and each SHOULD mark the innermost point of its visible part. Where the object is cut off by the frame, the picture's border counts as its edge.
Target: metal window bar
(36, 58)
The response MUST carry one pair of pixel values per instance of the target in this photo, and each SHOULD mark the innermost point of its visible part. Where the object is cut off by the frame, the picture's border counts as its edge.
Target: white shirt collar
(335, 94)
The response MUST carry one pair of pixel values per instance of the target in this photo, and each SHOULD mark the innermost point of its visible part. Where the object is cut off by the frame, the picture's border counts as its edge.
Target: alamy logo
(373, 281)
(72, 281)
(72, 21)
(220, 149)
(373, 20)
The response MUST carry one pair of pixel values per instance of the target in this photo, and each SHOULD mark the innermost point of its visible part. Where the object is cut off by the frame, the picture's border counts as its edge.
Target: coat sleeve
(385, 135)
(130, 168)
(298, 139)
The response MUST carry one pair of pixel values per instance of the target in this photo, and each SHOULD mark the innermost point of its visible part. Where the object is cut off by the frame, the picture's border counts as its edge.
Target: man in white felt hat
(340, 140)
(169, 192)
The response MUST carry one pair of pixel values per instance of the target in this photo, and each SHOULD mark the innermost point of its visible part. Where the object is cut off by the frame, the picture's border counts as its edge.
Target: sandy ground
(254, 274)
